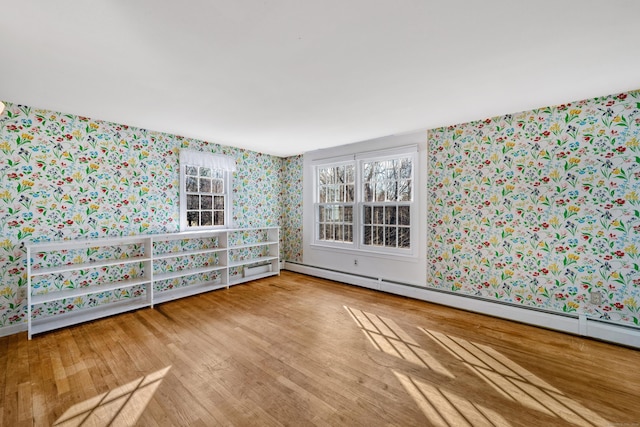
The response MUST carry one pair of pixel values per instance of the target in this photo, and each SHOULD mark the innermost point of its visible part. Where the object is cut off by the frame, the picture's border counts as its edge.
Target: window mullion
(358, 199)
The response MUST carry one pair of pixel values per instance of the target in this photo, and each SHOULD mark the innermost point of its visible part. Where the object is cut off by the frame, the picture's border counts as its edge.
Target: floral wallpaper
(541, 208)
(292, 195)
(68, 177)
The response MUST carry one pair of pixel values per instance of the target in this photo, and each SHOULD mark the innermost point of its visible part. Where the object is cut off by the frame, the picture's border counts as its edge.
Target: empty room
(267, 213)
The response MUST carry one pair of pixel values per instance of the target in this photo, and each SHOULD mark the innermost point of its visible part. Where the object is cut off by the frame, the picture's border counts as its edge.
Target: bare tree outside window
(336, 193)
(205, 196)
(387, 196)
(382, 203)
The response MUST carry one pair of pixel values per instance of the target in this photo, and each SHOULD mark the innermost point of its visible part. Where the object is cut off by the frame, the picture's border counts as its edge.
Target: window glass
(205, 197)
(377, 213)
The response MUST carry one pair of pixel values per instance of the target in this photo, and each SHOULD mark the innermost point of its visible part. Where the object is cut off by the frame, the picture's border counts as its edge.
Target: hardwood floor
(297, 350)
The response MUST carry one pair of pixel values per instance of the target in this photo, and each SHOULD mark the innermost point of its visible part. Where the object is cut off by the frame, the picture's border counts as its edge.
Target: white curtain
(210, 160)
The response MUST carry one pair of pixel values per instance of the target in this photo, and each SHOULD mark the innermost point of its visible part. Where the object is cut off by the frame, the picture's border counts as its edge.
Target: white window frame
(215, 162)
(358, 161)
(316, 216)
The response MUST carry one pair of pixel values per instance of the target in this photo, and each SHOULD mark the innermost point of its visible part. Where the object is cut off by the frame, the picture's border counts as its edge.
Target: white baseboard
(13, 329)
(572, 324)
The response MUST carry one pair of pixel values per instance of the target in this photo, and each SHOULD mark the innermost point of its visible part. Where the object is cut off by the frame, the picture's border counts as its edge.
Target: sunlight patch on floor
(514, 382)
(445, 409)
(121, 406)
(386, 336)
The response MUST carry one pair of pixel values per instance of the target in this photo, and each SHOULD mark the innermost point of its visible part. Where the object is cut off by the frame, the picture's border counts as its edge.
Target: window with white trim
(367, 202)
(336, 189)
(205, 183)
(386, 202)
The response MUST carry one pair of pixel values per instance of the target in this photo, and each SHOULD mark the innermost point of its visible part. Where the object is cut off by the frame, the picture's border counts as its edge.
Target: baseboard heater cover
(254, 270)
(563, 322)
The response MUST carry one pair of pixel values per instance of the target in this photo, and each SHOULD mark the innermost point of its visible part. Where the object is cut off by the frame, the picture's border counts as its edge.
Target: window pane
(350, 191)
(218, 217)
(199, 184)
(348, 233)
(404, 215)
(218, 202)
(392, 170)
(392, 191)
(390, 237)
(192, 184)
(405, 168)
(378, 236)
(404, 237)
(329, 231)
(380, 171)
(366, 239)
(350, 174)
(193, 201)
(380, 191)
(206, 202)
(378, 215)
(321, 235)
(206, 218)
(340, 175)
(348, 214)
(368, 192)
(324, 176)
(338, 230)
(345, 194)
(367, 172)
(193, 218)
(205, 185)
(217, 186)
(330, 194)
(322, 193)
(390, 215)
(367, 215)
(404, 192)
(321, 214)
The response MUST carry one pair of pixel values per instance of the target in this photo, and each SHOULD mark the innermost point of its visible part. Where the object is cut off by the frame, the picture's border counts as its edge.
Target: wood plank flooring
(296, 350)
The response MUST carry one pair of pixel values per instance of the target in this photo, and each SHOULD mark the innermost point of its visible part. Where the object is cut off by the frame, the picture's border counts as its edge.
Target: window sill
(404, 257)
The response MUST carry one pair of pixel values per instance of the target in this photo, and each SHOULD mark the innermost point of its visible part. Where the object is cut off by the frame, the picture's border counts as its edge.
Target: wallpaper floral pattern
(541, 208)
(69, 177)
(292, 194)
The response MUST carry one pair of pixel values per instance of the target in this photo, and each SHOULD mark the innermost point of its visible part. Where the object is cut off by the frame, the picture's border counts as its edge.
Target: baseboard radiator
(572, 323)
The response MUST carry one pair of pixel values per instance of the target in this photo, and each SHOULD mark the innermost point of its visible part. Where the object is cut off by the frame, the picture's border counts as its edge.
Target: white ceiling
(287, 76)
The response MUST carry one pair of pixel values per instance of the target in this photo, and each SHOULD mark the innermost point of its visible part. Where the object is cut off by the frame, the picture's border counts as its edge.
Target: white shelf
(87, 290)
(187, 235)
(88, 243)
(88, 265)
(252, 245)
(56, 321)
(186, 272)
(186, 291)
(240, 263)
(146, 244)
(177, 254)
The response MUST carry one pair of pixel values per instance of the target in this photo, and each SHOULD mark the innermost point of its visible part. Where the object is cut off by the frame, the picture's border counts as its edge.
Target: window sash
(205, 180)
(383, 183)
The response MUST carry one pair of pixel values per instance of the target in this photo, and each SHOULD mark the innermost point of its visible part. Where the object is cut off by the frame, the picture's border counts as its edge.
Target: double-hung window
(386, 202)
(335, 195)
(367, 202)
(205, 182)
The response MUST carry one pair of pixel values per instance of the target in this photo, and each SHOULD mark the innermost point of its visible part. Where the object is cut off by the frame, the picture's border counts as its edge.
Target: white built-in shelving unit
(113, 275)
